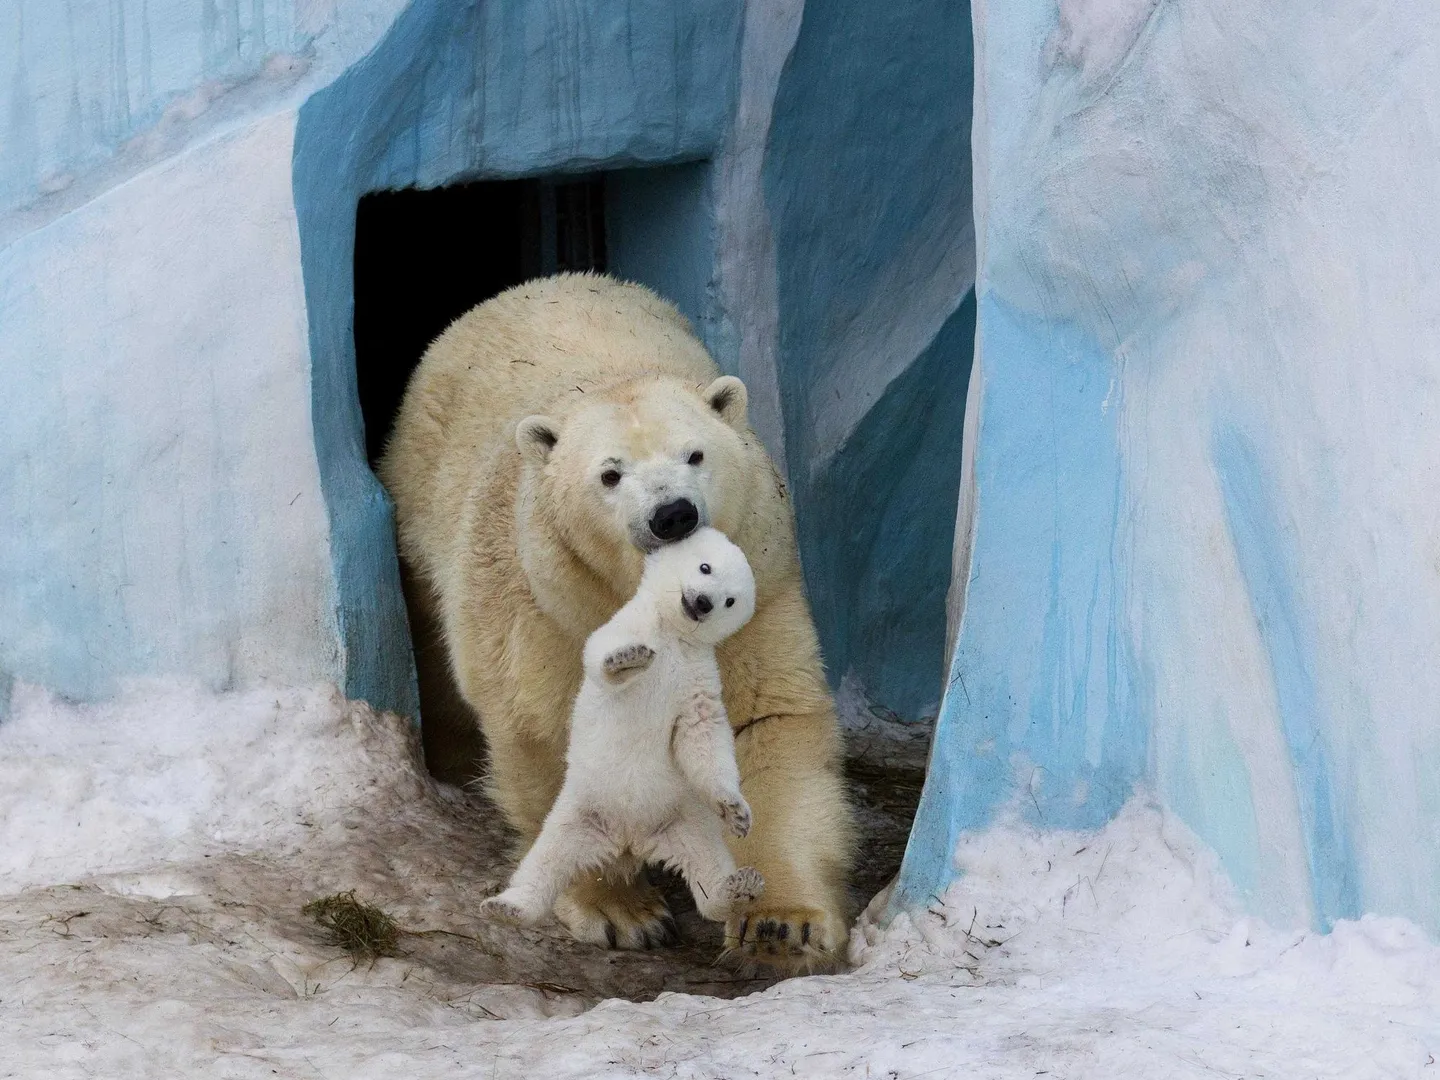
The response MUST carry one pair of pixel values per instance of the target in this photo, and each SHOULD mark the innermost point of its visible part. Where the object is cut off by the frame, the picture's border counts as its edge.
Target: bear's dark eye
(697, 457)
(704, 568)
(730, 602)
(610, 477)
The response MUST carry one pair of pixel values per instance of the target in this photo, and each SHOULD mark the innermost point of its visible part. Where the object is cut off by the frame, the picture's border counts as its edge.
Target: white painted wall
(156, 455)
(1221, 215)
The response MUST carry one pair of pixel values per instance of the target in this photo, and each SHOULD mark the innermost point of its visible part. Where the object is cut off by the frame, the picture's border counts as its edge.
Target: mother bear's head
(614, 472)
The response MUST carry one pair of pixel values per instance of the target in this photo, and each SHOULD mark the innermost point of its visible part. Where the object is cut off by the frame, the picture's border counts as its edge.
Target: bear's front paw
(507, 908)
(617, 914)
(794, 940)
(735, 812)
(627, 660)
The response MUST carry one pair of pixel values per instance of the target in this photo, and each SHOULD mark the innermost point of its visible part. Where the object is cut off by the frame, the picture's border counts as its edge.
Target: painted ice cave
(1099, 341)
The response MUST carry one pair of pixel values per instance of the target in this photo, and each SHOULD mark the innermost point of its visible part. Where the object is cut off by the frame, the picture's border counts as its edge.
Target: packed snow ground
(154, 855)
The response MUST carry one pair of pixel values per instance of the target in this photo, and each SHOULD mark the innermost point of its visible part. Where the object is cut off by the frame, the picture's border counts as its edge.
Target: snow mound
(173, 773)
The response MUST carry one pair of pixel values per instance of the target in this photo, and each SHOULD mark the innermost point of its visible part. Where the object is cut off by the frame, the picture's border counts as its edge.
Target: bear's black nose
(704, 604)
(674, 521)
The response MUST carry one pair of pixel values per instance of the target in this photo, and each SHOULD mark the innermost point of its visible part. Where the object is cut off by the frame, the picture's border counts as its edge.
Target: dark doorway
(424, 258)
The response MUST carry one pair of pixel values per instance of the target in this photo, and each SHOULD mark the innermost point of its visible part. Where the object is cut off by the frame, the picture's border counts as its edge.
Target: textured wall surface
(867, 183)
(146, 148)
(157, 460)
(1203, 524)
(161, 505)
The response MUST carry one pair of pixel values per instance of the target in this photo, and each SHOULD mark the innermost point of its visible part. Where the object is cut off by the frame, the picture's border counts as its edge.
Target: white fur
(650, 770)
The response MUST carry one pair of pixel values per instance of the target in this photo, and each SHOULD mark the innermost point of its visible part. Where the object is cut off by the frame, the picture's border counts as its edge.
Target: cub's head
(640, 465)
(702, 585)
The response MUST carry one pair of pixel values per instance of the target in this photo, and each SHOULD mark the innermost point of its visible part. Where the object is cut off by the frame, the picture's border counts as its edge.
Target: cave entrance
(422, 259)
(425, 257)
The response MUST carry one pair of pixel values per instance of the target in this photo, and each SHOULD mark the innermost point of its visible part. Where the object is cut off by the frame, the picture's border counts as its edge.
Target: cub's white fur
(650, 770)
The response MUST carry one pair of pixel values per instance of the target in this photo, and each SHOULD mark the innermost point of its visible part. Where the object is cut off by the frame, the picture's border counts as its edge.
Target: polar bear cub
(650, 770)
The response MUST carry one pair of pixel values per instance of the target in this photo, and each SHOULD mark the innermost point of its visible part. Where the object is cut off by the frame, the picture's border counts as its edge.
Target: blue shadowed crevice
(1044, 710)
(461, 91)
(867, 184)
(1263, 548)
(885, 514)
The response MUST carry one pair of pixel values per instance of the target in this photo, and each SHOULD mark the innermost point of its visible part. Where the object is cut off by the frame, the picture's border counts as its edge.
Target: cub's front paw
(627, 660)
(509, 909)
(735, 812)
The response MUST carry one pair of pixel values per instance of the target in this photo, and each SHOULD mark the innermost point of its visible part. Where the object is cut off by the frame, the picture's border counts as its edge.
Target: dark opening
(424, 258)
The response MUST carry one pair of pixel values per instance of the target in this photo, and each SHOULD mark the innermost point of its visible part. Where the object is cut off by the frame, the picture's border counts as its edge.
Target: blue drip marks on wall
(1043, 712)
(463, 91)
(1263, 550)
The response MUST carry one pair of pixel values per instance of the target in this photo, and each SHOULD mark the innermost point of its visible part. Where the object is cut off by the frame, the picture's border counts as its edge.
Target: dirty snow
(154, 854)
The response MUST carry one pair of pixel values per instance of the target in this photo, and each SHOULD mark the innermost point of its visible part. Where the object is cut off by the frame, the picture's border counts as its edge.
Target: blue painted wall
(79, 79)
(1041, 712)
(867, 182)
(1203, 546)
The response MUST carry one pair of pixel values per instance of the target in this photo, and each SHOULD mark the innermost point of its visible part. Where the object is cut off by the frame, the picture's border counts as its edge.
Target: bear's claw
(507, 909)
(615, 915)
(797, 941)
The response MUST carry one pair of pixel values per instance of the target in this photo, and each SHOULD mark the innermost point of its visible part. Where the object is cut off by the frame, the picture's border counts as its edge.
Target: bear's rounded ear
(535, 437)
(728, 397)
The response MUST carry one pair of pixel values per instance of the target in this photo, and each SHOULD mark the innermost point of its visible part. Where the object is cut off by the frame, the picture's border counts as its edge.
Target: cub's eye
(696, 458)
(704, 568)
(730, 602)
(610, 477)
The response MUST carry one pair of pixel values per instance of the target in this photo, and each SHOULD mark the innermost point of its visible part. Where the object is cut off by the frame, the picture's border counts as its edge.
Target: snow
(149, 926)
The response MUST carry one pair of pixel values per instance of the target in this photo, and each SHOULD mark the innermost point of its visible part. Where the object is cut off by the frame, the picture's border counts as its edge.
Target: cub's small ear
(535, 437)
(728, 397)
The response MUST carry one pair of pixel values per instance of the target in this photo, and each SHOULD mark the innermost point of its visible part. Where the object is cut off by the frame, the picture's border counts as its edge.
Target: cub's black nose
(704, 604)
(674, 521)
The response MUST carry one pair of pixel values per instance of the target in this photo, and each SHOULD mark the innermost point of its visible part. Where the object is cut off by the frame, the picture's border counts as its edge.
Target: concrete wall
(177, 201)
(867, 183)
(1202, 522)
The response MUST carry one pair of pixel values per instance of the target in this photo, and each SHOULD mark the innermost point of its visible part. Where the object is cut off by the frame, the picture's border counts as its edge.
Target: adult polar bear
(548, 439)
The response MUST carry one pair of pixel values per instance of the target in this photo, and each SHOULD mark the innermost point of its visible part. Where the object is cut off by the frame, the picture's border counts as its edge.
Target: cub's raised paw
(627, 660)
(797, 941)
(744, 886)
(736, 815)
(507, 909)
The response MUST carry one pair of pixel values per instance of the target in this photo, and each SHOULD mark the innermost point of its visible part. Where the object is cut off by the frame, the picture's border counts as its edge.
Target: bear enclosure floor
(884, 771)
(325, 797)
(156, 856)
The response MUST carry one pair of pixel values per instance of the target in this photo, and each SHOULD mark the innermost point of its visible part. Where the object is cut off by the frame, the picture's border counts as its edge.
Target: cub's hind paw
(508, 910)
(736, 815)
(628, 659)
(744, 886)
